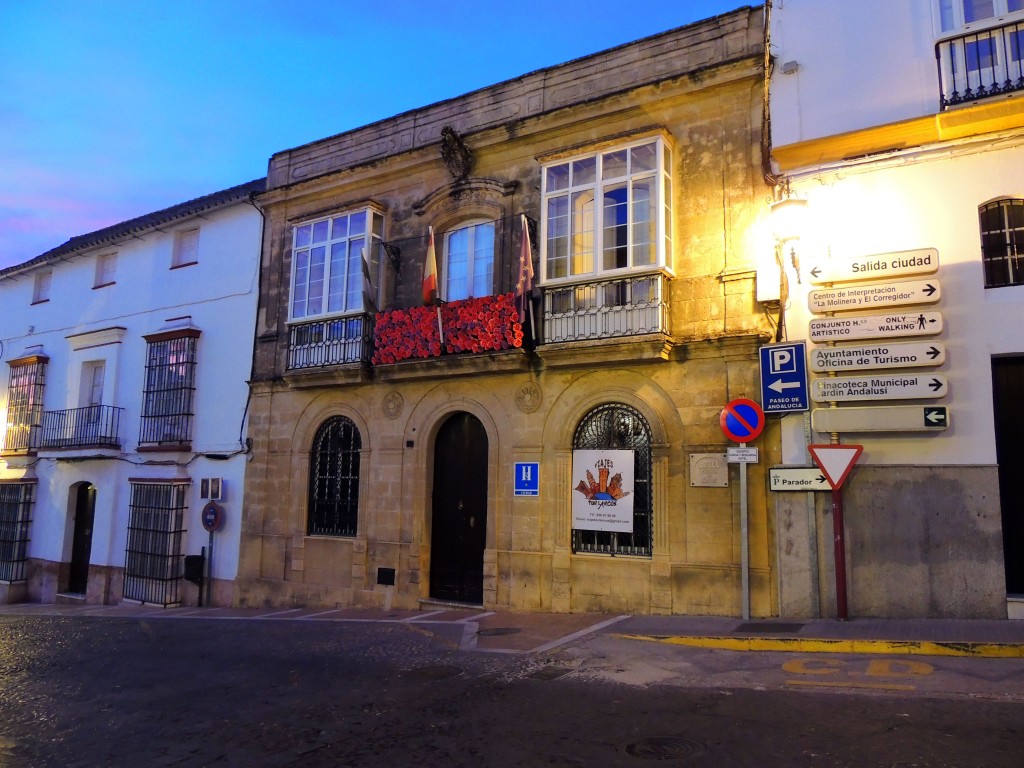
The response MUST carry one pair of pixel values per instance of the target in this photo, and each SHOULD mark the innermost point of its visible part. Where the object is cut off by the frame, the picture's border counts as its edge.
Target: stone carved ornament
(455, 154)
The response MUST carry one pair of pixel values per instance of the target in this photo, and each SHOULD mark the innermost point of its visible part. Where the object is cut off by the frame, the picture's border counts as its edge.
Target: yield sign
(835, 461)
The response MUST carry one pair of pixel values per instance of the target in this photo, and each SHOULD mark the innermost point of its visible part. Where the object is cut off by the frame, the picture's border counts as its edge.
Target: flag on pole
(430, 271)
(369, 305)
(524, 284)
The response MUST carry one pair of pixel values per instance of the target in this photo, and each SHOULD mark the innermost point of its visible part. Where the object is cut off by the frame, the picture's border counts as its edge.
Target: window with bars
(25, 402)
(15, 520)
(1002, 242)
(170, 387)
(334, 479)
(615, 426)
(152, 571)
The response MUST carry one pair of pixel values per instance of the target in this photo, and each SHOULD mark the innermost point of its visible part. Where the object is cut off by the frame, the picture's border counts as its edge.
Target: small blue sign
(784, 377)
(527, 482)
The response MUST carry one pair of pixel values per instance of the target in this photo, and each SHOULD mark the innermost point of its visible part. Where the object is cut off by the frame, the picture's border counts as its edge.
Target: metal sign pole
(744, 544)
(209, 570)
(839, 542)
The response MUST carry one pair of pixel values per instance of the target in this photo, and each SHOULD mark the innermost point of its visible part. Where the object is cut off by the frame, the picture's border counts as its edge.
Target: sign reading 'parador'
(881, 266)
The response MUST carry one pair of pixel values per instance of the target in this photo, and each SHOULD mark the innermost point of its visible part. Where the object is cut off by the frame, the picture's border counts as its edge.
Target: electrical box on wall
(211, 488)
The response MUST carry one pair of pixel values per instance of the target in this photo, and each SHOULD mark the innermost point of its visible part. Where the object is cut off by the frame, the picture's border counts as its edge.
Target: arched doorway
(81, 540)
(459, 510)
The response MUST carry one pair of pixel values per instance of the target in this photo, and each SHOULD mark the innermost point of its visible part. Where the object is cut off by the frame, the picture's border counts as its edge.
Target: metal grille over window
(334, 479)
(1002, 242)
(615, 426)
(170, 386)
(152, 572)
(15, 521)
(25, 405)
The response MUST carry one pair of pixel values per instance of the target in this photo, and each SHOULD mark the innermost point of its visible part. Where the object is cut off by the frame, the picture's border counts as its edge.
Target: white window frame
(106, 270)
(588, 227)
(475, 285)
(186, 248)
(41, 286)
(315, 234)
(951, 18)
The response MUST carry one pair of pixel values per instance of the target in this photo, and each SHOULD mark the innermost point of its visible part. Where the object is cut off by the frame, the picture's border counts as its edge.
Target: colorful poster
(602, 499)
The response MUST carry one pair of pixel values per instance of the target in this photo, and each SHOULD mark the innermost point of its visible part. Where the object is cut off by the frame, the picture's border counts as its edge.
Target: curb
(810, 645)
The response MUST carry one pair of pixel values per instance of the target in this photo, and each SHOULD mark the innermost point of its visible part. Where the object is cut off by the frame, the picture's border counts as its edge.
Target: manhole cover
(665, 748)
(769, 627)
(495, 631)
(436, 672)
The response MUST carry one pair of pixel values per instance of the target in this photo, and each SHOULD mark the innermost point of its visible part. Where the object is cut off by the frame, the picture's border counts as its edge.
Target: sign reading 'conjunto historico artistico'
(602, 499)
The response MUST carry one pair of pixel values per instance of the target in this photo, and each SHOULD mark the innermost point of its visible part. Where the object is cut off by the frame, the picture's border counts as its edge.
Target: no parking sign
(742, 420)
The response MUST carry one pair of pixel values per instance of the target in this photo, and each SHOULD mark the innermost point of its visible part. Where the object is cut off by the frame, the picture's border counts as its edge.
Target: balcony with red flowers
(474, 326)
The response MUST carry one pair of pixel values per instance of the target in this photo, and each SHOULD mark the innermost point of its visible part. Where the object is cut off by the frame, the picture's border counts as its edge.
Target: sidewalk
(475, 629)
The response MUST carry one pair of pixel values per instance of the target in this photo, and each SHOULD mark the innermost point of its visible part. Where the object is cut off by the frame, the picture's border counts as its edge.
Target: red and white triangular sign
(835, 461)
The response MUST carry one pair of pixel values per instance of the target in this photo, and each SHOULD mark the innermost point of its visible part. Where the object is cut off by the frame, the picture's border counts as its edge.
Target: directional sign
(875, 326)
(881, 266)
(797, 479)
(892, 418)
(784, 377)
(835, 461)
(880, 296)
(907, 354)
(898, 386)
(742, 420)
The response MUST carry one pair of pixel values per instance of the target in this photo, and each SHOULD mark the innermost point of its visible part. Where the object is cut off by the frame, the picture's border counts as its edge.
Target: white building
(902, 127)
(126, 354)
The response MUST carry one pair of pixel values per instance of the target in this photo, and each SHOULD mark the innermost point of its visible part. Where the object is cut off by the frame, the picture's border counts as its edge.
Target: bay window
(327, 263)
(607, 213)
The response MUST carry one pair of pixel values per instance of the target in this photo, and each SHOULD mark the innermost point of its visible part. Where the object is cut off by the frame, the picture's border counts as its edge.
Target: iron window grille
(15, 521)
(1002, 242)
(170, 388)
(152, 572)
(615, 426)
(25, 403)
(334, 479)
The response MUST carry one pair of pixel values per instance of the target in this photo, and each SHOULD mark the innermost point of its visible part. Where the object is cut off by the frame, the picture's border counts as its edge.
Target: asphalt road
(86, 691)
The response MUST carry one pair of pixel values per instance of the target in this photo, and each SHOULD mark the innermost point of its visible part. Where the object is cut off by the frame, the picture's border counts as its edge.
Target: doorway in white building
(1008, 397)
(84, 497)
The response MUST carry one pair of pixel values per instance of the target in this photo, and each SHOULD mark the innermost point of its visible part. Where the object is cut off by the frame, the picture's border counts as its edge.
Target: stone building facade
(390, 436)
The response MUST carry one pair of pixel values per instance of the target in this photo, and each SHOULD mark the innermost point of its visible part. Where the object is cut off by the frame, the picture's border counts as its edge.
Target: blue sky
(110, 109)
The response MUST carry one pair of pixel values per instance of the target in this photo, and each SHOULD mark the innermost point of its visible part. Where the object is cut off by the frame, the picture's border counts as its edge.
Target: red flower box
(471, 325)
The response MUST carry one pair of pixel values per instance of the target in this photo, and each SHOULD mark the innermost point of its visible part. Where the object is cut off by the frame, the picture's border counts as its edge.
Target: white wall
(219, 294)
(859, 63)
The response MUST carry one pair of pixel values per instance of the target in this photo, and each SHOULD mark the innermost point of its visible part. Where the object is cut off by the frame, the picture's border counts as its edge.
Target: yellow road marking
(809, 645)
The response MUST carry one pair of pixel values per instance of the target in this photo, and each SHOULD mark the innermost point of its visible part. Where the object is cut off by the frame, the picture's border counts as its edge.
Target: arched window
(615, 426)
(469, 261)
(1002, 242)
(334, 479)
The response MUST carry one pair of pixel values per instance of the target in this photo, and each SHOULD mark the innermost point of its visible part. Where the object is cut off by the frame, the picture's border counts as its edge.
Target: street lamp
(788, 216)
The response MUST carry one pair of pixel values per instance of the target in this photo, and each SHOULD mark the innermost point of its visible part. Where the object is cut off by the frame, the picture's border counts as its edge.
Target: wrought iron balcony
(630, 306)
(980, 64)
(330, 342)
(91, 426)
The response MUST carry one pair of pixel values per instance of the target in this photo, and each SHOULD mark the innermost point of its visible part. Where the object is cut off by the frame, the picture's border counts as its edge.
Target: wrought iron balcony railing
(20, 438)
(629, 306)
(93, 425)
(330, 342)
(980, 64)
